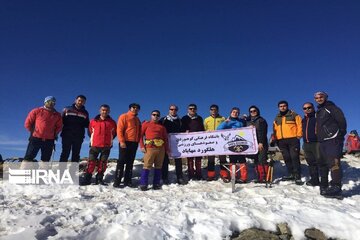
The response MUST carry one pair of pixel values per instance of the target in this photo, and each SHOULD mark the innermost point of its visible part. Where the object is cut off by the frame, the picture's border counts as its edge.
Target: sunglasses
(282, 106)
(192, 108)
(253, 111)
(173, 109)
(156, 115)
(307, 108)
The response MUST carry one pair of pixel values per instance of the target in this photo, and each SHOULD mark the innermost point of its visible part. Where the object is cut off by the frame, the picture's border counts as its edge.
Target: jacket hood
(257, 109)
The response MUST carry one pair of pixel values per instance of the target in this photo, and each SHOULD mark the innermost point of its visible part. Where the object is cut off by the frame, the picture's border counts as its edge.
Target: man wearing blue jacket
(75, 120)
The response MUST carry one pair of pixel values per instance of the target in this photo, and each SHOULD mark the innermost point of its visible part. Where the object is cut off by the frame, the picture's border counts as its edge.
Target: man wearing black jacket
(311, 145)
(172, 123)
(192, 122)
(75, 120)
(331, 131)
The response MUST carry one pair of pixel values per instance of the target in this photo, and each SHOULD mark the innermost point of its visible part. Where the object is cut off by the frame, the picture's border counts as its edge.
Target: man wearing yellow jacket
(210, 124)
(287, 129)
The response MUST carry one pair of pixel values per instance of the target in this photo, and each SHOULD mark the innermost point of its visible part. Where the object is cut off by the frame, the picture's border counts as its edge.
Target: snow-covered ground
(199, 210)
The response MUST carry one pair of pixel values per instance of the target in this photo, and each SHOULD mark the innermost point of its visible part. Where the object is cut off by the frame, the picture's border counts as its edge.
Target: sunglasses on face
(253, 111)
(173, 109)
(192, 108)
(156, 115)
(307, 108)
(282, 106)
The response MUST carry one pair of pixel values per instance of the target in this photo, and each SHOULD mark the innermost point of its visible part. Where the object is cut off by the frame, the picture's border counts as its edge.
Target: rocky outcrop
(283, 233)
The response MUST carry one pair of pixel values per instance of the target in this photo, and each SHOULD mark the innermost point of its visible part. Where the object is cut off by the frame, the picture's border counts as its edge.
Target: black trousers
(237, 159)
(165, 167)
(331, 151)
(71, 144)
(211, 162)
(36, 144)
(312, 156)
(126, 159)
(290, 149)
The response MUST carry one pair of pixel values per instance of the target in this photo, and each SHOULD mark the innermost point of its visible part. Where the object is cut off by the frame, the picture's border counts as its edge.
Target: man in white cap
(44, 124)
(331, 130)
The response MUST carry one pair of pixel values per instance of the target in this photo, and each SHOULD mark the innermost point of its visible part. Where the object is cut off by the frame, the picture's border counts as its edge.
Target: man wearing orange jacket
(128, 132)
(287, 131)
(44, 124)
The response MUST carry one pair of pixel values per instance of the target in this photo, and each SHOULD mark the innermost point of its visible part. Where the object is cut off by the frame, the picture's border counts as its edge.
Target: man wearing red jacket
(44, 124)
(102, 131)
(153, 144)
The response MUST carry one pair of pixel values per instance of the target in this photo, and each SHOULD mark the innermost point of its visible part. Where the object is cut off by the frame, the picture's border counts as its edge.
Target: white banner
(240, 141)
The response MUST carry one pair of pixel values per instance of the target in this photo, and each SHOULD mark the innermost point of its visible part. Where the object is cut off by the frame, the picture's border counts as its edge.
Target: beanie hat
(50, 98)
(321, 93)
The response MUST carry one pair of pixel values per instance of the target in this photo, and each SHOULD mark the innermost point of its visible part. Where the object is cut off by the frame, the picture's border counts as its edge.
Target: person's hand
(261, 147)
(143, 150)
(123, 145)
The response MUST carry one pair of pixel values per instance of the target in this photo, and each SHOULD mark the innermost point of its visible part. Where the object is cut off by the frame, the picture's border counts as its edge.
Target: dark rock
(315, 234)
(256, 234)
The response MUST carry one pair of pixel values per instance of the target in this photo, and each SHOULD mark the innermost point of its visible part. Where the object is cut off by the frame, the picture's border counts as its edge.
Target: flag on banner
(240, 141)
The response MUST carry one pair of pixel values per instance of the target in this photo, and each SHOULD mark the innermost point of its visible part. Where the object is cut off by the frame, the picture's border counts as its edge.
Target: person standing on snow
(311, 144)
(75, 120)
(287, 131)
(154, 145)
(233, 121)
(210, 124)
(331, 130)
(192, 122)
(44, 124)
(260, 159)
(102, 131)
(172, 123)
(128, 132)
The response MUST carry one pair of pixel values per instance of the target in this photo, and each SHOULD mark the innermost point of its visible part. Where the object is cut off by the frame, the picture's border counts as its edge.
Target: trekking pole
(270, 172)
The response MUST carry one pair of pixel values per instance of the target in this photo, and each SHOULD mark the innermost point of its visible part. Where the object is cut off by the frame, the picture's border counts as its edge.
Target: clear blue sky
(233, 53)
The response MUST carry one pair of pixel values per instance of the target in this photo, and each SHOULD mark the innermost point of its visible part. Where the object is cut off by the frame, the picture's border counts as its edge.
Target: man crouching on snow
(102, 131)
(155, 137)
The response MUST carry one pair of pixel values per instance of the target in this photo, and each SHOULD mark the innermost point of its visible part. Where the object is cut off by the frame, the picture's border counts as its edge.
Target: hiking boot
(332, 191)
(181, 181)
(225, 180)
(298, 180)
(166, 181)
(239, 181)
(128, 184)
(312, 183)
(209, 179)
(323, 190)
(197, 178)
(156, 186)
(143, 187)
(288, 178)
(116, 185)
(86, 180)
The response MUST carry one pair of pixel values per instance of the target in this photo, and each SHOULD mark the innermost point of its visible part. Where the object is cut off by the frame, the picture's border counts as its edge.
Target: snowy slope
(199, 210)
